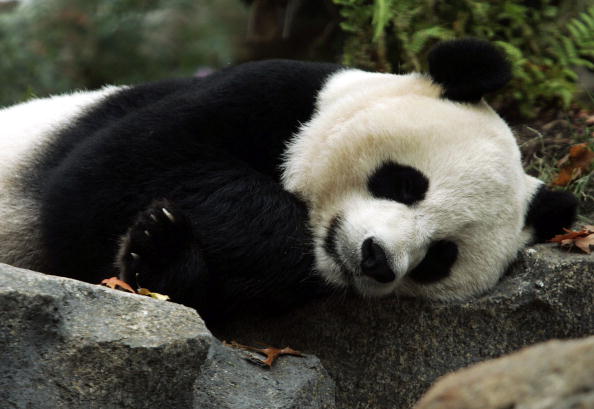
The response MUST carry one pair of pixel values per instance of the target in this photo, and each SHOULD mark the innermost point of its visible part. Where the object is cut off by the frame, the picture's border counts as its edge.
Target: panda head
(414, 183)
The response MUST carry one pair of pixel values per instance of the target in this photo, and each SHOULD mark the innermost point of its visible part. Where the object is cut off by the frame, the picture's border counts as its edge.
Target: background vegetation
(49, 46)
(52, 46)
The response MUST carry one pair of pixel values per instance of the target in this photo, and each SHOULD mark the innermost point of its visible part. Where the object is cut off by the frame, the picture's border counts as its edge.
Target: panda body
(273, 182)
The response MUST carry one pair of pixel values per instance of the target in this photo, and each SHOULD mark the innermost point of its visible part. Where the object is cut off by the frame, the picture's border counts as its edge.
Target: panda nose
(374, 262)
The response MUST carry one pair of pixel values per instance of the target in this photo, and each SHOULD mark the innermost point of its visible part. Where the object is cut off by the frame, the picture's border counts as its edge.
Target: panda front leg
(159, 251)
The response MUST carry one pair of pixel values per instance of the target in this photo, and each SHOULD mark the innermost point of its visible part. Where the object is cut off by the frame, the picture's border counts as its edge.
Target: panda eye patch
(437, 263)
(403, 184)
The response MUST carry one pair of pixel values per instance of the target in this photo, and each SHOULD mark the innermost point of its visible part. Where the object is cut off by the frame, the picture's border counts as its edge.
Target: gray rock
(386, 353)
(68, 344)
(551, 375)
(228, 381)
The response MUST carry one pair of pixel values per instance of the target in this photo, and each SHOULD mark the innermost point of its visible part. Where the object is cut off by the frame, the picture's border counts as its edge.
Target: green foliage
(545, 42)
(52, 46)
(359, 50)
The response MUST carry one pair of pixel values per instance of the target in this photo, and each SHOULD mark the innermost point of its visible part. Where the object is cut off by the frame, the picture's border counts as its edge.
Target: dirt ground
(545, 142)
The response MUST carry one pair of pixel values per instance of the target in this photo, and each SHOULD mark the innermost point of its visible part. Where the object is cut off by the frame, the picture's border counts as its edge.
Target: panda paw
(152, 246)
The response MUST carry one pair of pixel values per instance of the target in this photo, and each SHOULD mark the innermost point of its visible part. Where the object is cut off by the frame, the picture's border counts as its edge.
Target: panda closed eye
(436, 264)
(403, 184)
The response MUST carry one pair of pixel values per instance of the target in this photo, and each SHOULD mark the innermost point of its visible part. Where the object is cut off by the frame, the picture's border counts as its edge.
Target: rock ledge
(68, 344)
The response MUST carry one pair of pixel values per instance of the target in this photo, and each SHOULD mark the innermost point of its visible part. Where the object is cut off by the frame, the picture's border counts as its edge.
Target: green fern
(580, 44)
(381, 17)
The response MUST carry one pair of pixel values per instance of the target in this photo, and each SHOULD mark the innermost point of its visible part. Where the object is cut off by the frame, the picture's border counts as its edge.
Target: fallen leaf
(582, 239)
(570, 235)
(115, 282)
(574, 164)
(144, 291)
(586, 244)
(271, 353)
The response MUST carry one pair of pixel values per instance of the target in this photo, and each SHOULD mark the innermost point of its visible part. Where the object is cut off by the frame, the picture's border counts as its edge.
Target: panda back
(28, 126)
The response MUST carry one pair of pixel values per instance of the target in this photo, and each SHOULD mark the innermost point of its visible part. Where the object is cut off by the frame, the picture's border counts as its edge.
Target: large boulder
(386, 353)
(551, 375)
(67, 344)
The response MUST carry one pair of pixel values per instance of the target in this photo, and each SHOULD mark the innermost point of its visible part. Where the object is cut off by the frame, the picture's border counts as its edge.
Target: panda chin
(368, 287)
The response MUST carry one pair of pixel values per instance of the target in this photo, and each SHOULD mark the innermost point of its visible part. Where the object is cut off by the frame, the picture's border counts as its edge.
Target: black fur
(468, 68)
(549, 212)
(437, 263)
(403, 184)
(212, 147)
(330, 241)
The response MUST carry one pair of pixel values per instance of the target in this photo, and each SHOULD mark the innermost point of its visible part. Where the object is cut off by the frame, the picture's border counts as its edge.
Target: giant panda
(270, 183)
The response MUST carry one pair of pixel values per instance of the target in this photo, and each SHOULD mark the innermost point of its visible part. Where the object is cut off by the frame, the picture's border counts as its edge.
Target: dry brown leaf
(582, 239)
(271, 353)
(570, 235)
(586, 244)
(115, 282)
(574, 164)
(144, 291)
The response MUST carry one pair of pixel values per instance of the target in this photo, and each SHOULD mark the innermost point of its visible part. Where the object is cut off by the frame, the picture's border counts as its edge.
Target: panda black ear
(468, 68)
(549, 212)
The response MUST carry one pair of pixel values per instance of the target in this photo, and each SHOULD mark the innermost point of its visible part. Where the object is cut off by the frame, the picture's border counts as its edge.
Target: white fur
(478, 192)
(25, 130)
